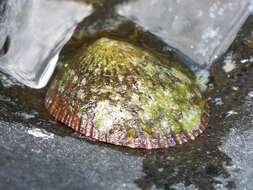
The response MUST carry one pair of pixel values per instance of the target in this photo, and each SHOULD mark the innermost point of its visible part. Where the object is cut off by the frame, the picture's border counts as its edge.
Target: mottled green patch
(127, 86)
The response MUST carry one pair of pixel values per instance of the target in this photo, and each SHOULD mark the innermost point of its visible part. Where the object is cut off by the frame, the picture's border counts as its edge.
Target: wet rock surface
(32, 158)
(39, 153)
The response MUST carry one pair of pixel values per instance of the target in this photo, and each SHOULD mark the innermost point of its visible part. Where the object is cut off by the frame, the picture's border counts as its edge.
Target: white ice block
(199, 29)
(38, 30)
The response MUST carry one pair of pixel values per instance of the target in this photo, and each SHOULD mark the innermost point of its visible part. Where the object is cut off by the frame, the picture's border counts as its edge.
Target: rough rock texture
(33, 158)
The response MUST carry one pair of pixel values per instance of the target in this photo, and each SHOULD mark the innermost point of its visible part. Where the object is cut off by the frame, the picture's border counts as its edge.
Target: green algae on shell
(118, 93)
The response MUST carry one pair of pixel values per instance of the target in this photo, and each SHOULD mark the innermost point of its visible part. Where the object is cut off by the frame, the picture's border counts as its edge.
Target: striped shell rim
(58, 109)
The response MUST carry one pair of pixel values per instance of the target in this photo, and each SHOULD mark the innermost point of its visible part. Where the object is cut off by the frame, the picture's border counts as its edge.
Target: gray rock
(42, 160)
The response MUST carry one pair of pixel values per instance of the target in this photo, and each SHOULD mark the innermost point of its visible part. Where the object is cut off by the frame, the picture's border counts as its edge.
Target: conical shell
(115, 92)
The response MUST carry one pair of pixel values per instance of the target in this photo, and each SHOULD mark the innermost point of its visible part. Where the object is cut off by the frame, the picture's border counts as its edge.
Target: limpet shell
(118, 93)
